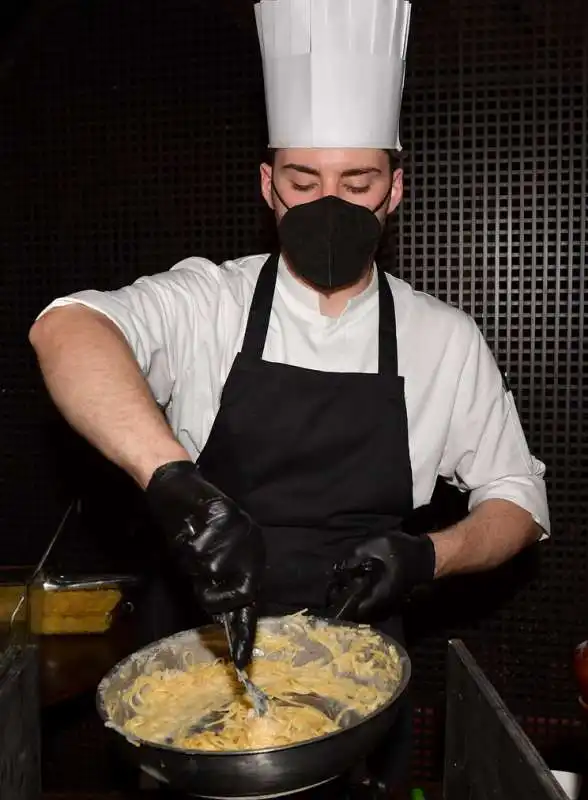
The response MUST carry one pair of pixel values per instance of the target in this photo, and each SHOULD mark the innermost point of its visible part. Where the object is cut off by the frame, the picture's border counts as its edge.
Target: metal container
(267, 773)
(78, 604)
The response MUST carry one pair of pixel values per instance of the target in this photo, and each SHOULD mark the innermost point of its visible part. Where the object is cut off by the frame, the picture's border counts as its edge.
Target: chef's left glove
(395, 564)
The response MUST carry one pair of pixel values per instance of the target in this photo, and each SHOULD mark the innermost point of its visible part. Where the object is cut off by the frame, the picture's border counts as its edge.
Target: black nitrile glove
(215, 543)
(397, 563)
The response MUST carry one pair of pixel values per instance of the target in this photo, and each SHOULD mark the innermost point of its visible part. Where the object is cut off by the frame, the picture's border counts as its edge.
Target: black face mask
(330, 241)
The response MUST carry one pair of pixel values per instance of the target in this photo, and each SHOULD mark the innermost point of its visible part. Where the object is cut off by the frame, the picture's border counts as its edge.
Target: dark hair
(396, 158)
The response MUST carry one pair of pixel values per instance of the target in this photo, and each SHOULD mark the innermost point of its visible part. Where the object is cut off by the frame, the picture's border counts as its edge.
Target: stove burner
(341, 789)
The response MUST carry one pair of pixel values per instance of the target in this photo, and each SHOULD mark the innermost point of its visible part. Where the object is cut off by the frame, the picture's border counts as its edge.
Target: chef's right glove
(216, 544)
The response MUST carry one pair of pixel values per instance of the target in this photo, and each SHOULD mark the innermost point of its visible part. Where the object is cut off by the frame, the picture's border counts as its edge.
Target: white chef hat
(333, 71)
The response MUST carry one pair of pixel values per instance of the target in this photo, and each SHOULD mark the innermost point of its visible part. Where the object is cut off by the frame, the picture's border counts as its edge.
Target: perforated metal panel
(495, 222)
(130, 137)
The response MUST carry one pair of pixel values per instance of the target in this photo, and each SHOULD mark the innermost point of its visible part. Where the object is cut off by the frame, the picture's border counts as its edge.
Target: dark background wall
(130, 137)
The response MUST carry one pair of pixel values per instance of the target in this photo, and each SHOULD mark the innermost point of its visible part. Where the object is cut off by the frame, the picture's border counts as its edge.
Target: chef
(286, 413)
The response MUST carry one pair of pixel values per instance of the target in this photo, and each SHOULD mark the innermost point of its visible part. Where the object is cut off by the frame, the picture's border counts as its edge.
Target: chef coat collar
(308, 298)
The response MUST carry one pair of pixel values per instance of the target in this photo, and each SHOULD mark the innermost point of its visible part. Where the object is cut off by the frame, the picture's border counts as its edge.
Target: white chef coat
(186, 326)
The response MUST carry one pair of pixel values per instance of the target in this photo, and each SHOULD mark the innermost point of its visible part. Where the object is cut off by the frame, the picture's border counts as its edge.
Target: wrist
(142, 470)
(447, 544)
(428, 559)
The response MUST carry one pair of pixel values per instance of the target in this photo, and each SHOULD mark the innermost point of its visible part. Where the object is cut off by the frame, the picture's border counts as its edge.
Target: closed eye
(299, 187)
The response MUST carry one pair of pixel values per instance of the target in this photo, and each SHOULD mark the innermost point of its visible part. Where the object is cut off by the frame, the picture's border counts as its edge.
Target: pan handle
(347, 589)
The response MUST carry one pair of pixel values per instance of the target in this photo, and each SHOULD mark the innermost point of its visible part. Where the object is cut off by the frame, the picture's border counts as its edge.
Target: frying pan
(228, 775)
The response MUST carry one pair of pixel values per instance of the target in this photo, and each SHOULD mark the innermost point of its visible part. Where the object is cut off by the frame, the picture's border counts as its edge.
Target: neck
(332, 302)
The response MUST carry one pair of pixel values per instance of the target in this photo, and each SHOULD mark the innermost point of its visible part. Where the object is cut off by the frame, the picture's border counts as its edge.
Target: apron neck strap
(261, 306)
(388, 343)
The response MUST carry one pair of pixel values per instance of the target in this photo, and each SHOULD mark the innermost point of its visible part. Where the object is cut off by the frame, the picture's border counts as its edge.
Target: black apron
(320, 460)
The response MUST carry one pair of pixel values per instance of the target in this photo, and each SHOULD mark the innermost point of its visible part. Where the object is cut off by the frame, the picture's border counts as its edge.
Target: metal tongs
(348, 588)
(343, 599)
(259, 699)
(344, 595)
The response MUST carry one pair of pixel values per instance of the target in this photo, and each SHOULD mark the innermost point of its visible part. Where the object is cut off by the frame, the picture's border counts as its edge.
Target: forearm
(96, 383)
(493, 533)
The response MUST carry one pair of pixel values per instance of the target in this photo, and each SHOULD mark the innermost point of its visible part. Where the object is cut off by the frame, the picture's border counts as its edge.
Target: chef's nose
(330, 185)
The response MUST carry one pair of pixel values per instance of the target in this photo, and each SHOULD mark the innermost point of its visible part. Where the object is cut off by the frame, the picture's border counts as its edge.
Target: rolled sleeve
(158, 315)
(487, 452)
(135, 310)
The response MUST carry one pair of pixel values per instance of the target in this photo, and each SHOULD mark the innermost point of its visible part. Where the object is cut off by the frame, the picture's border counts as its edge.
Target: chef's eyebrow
(347, 173)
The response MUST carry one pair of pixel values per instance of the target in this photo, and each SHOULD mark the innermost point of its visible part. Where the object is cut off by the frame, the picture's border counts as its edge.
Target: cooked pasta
(350, 666)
